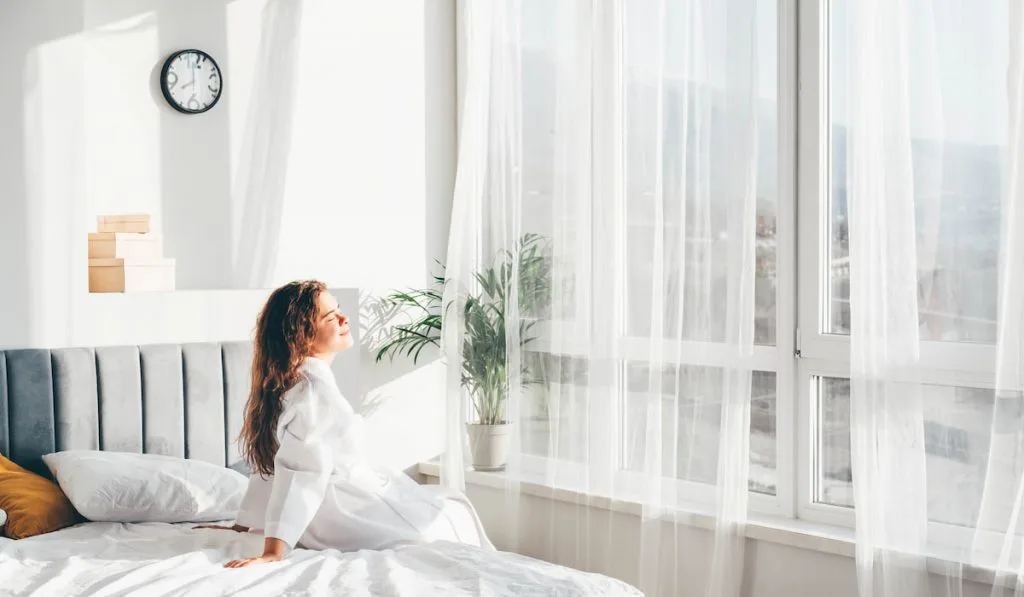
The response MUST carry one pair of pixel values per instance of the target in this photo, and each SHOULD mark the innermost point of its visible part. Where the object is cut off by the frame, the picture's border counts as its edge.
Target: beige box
(122, 275)
(125, 245)
(138, 223)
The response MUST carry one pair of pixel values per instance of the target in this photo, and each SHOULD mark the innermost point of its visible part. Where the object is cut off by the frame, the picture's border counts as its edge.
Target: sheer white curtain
(933, 511)
(259, 185)
(600, 294)
(1000, 522)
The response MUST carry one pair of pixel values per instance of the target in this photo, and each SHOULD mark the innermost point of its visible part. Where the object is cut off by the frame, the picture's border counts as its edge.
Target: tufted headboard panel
(176, 399)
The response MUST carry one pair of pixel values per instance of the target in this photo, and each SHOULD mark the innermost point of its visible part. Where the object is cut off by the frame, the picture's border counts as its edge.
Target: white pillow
(127, 487)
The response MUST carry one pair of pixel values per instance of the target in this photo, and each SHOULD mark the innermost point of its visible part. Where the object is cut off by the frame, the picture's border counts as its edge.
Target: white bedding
(157, 559)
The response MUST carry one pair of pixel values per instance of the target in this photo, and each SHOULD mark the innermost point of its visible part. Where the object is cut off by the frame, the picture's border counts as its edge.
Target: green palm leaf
(527, 269)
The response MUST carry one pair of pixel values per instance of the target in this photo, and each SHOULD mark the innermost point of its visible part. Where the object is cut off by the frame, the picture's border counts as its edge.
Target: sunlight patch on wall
(355, 188)
(55, 248)
(244, 23)
(122, 128)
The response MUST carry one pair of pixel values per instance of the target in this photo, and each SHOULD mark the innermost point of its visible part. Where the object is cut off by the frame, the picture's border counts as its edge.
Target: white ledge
(791, 532)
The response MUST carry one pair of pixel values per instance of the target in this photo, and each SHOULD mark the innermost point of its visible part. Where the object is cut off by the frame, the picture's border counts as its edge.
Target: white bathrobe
(325, 494)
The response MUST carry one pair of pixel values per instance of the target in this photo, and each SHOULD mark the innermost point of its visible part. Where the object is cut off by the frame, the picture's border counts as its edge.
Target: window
(708, 249)
(958, 120)
(957, 431)
(691, 402)
(698, 273)
(554, 421)
(800, 463)
(557, 418)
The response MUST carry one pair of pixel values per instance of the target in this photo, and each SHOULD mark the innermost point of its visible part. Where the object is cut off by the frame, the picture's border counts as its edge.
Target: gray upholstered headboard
(182, 400)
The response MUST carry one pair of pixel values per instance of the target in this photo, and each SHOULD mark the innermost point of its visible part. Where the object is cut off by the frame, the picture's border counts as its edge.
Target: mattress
(154, 559)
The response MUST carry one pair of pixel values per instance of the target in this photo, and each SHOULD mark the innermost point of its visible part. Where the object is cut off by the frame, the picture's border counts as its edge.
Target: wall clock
(191, 81)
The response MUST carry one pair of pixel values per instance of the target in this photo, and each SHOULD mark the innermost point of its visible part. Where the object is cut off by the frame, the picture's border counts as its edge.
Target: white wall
(367, 198)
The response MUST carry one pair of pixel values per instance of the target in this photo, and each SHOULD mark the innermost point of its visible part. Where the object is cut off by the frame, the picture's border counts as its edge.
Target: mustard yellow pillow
(34, 504)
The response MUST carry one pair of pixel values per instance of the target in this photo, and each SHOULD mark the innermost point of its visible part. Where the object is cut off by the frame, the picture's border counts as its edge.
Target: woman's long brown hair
(285, 330)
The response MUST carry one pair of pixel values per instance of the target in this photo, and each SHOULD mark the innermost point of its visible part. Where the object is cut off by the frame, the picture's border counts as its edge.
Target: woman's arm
(302, 470)
(251, 510)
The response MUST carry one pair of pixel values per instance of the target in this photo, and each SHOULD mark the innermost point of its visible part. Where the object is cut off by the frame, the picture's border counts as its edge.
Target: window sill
(800, 534)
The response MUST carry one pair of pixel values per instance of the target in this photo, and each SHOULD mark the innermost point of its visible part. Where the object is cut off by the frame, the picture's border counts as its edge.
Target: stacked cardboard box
(125, 256)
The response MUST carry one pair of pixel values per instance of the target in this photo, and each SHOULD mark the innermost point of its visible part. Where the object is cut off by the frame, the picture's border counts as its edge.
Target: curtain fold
(1000, 529)
(885, 411)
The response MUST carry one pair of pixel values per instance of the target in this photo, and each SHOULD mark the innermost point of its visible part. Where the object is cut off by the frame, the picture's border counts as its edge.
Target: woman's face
(332, 332)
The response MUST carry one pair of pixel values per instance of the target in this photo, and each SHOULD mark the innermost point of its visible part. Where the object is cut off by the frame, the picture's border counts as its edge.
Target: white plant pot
(488, 445)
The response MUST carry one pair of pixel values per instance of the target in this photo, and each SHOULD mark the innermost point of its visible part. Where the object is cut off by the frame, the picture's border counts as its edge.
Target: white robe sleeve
(303, 464)
(254, 504)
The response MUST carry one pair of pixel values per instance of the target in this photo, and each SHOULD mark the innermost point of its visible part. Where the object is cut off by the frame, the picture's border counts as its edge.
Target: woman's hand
(237, 528)
(250, 561)
(273, 551)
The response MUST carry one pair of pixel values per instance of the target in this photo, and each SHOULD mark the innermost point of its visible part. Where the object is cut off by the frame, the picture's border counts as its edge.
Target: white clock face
(192, 81)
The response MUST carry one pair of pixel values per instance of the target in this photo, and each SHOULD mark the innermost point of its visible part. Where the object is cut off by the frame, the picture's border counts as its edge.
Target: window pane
(547, 207)
(835, 476)
(958, 108)
(690, 418)
(957, 432)
(766, 251)
(555, 414)
(762, 433)
(694, 162)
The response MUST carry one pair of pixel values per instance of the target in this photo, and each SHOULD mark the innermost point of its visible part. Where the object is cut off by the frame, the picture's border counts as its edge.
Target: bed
(186, 401)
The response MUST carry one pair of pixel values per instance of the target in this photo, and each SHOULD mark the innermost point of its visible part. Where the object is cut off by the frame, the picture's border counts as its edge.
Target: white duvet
(156, 559)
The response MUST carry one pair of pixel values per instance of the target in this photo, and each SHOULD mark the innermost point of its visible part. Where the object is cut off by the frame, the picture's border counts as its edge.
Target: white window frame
(828, 355)
(969, 359)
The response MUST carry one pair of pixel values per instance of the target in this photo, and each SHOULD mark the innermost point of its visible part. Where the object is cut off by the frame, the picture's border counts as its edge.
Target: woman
(311, 485)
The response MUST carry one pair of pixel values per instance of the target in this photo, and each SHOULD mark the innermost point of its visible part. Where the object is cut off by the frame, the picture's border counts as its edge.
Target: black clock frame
(167, 92)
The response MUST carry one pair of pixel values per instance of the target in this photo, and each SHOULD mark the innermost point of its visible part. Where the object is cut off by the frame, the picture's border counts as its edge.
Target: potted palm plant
(484, 351)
